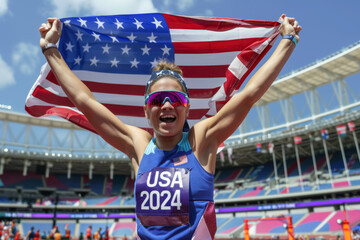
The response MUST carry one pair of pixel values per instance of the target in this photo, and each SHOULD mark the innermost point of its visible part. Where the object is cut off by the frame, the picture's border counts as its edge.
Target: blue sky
(328, 26)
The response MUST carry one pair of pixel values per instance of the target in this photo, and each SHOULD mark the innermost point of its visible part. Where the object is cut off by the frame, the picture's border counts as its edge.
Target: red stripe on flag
(204, 71)
(213, 46)
(68, 114)
(125, 89)
(250, 59)
(213, 23)
(202, 93)
(51, 77)
(47, 96)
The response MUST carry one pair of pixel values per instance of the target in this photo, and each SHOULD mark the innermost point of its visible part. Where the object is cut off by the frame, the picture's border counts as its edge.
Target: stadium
(291, 174)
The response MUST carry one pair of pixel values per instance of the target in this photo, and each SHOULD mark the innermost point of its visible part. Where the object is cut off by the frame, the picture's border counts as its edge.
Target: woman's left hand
(289, 26)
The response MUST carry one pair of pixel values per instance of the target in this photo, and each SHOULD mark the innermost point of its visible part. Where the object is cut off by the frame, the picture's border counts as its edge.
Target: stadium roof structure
(339, 65)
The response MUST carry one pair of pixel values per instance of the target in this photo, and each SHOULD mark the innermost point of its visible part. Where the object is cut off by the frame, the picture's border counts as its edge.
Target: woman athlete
(175, 169)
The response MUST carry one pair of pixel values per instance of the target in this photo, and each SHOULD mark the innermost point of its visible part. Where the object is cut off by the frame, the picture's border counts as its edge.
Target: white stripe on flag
(237, 68)
(205, 59)
(190, 35)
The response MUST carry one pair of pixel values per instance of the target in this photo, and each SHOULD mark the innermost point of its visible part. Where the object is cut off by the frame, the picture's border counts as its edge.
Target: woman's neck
(167, 143)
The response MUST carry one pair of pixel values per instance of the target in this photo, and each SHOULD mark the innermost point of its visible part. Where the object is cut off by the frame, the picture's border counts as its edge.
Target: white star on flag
(145, 50)
(166, 50)
(94, 61)
(154, 63)
(125, 50)
(131, 37)
(114, 62)
(134, 63)
(77, 60)
(138, 24)
(86, 48)
(69, 46)
(82, 22)
(106, 49)
(79, 35)
(157, 23)
(152, 38)
(114, 39)
(99, 23)
(67, 23)
(96, 36)
(118, 24)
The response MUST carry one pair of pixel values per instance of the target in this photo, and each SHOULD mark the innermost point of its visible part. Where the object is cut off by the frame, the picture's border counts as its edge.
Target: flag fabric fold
(114, 56)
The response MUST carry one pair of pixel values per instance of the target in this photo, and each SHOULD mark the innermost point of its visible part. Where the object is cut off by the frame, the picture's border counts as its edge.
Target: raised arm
(217, 129)
(107, 125)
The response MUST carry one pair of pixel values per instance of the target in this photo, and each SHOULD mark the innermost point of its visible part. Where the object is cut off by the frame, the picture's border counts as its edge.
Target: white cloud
(3, 7)
(7, 74)
(71, 8)
(26, 57)
(209, 12)
(184, 4)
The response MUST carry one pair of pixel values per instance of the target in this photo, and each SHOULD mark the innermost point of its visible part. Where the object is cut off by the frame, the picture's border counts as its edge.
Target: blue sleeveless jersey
(174, 195)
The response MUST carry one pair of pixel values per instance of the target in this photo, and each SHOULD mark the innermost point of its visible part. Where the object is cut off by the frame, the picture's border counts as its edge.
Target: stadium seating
(223, 194)
(227, 175)
(311, 222)
(111, 201)
(73, 182)
(331, 225)
(96, 184)
(120, 229)
(275, 226)
(12, 179)
(118, 184)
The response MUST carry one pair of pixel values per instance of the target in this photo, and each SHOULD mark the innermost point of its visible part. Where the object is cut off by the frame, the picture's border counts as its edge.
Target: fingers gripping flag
(114, 56)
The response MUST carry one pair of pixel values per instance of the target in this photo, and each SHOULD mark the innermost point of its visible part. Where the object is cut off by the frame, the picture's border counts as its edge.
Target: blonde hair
(165, 65)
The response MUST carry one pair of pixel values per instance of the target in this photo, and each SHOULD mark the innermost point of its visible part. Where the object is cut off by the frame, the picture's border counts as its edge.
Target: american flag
(114, 56)
(180, 160)
(258, 147)
(324, 134)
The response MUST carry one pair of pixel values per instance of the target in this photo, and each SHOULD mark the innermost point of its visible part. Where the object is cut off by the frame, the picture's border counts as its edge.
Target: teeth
(168, 116)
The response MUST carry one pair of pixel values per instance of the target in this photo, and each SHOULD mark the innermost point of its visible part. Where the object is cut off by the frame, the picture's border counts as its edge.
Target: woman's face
(166, 120)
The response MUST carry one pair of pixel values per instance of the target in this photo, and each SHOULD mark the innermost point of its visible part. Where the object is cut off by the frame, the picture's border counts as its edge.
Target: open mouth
(167, 118)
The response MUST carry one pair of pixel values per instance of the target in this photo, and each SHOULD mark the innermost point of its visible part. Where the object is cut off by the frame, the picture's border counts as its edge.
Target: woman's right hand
(50, 32)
